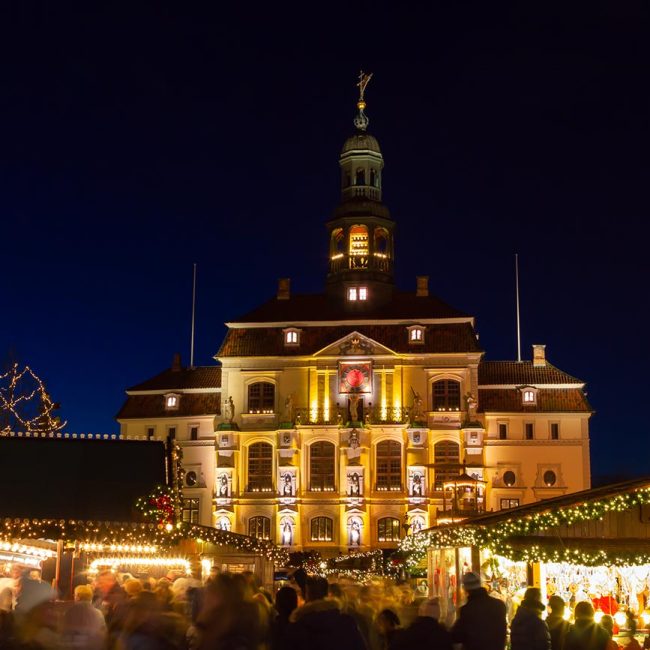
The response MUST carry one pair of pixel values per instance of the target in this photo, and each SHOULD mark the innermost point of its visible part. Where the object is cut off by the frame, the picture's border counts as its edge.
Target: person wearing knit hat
(528, 631)
(481, 622)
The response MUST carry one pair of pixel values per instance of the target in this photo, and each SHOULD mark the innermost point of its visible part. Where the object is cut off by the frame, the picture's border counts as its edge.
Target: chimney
(422, 286)
(176, 362)
(284, 289)
(539, 356)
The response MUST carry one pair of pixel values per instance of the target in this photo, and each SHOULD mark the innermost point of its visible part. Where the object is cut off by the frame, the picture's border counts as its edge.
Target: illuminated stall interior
(589, 546)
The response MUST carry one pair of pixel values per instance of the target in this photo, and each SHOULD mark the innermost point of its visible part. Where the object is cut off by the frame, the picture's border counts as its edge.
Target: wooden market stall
(592, 545)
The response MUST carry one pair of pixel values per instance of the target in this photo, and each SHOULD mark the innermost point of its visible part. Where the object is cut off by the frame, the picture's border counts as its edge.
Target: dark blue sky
(136, 141)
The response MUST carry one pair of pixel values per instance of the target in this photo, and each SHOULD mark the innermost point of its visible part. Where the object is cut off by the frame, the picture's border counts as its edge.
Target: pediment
(354, 344)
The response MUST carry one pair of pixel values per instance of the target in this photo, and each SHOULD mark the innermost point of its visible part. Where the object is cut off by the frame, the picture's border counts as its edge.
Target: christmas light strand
(496, 537)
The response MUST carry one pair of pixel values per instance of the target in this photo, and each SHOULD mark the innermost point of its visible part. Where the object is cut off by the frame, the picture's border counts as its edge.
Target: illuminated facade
(350, 418)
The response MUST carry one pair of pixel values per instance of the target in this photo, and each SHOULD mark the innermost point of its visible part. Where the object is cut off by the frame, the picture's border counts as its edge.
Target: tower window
(357, 293)
(373, 178)
(360, 178)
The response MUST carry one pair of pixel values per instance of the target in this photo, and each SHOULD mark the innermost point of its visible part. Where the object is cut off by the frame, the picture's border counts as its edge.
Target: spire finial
(361, 120)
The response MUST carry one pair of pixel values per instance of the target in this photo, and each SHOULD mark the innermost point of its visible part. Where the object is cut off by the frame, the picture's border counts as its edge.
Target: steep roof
(269, 341)
(320, 307)
(553, 400)
(521, 373)
(153, 406)
(181, 379)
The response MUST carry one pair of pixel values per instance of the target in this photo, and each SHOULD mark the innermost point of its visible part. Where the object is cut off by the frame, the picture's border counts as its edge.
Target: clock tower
(361, 231)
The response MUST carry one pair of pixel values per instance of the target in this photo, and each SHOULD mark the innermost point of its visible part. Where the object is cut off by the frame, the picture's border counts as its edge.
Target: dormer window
(416, 334)
(171, 402)
(529, 396)
(291, 336)
(357, 293)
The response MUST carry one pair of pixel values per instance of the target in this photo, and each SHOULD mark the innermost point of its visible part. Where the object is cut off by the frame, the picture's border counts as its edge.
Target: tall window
(503, 431)
(446, 456)
(388, 529)
(360, 177)
(530, 430)
(259, 527)
(322, 529)
(261, 397)
(555, 431)
(322, 466)
(446, 395)
(389, 465)
(260, 467)
(190, 511)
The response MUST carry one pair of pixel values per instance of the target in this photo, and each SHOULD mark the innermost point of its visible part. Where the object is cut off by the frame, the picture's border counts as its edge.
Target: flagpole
(518, 318)
(193, 313)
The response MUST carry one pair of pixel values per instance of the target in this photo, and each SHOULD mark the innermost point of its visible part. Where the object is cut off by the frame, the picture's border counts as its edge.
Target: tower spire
(361, 121)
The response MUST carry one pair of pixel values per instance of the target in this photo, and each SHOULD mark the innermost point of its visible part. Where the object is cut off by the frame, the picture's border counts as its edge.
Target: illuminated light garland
(11, 401)
(495, 537)
(114, 562)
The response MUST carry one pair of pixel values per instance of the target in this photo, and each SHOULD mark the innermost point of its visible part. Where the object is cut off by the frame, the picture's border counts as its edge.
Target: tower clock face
(355, 377)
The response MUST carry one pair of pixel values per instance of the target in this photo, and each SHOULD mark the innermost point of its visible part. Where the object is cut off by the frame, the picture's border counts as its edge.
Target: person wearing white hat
(481, 623)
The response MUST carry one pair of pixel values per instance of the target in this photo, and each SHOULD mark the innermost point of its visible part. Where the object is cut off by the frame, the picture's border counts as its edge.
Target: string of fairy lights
(15, 401)
(495, 537)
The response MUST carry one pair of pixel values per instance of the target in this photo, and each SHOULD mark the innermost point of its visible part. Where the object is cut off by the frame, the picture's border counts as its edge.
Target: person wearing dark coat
(425, 631)
(481, 623)
(286, 601)
(320, 625)
(528, 631)
(557, 625)
(585, 633)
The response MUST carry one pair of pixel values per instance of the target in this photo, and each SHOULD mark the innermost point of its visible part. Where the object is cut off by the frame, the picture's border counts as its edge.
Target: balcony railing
(341, 416)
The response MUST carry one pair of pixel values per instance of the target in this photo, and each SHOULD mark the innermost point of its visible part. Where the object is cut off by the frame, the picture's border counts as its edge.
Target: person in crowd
(230, 619)
(607, 622)
(426, 631)
(388, 627)
(286, 601)
(481, 623)
(585, 633)
(528, 631)
(83, 626)
(556, 623)
(320, 625)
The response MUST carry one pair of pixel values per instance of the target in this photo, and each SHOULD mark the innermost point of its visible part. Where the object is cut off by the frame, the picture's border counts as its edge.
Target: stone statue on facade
(354, 407)
(472, 406)
(229, 410)
(288, 408)
(417, 412)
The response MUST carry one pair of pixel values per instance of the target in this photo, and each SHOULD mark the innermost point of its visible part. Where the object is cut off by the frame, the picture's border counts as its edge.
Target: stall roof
(70, 478)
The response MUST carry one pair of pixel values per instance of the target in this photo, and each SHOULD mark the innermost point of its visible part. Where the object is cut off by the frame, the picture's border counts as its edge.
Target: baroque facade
(347, 419)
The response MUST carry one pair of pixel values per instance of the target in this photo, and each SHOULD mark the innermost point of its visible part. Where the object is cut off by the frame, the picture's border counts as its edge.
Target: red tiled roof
(320, 307)
(153, 406)
(199, 377)
(269, 341)
(520, 373)
(549, 400)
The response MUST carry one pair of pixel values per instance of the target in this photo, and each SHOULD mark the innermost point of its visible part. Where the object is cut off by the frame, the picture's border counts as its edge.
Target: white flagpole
(193, 312)
(518, 320)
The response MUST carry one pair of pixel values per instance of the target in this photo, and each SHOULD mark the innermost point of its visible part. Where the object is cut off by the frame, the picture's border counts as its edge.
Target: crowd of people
(233, 612)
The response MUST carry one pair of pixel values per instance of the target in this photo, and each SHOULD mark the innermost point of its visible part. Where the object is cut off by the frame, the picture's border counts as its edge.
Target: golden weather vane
(363, 82)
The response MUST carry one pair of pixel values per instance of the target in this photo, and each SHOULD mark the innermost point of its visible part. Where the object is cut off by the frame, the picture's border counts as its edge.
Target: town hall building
(347, 419)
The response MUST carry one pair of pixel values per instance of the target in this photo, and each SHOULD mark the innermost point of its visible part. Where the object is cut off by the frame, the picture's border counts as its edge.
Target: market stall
(592, 545)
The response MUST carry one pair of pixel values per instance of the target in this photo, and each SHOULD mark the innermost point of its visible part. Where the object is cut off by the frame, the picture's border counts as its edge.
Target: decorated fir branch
(25, 404)
(495, 538)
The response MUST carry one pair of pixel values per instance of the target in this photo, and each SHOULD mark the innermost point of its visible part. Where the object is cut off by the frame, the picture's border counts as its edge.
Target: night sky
(137, 139)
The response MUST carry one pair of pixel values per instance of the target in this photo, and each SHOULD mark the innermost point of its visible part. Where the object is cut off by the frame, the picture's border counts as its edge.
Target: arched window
(322, 529)
(381, 241)
(388, 529)
(360, 177)
(260, 467)
(446, 395)
(373, 178)
(261, 397)
(259, 527)
(337, 242)
(446, 456)
(322, 456)
(358, 241)
(389, 465)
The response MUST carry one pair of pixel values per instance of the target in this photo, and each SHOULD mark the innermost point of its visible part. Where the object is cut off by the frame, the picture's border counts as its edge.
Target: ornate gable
(354, 345)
